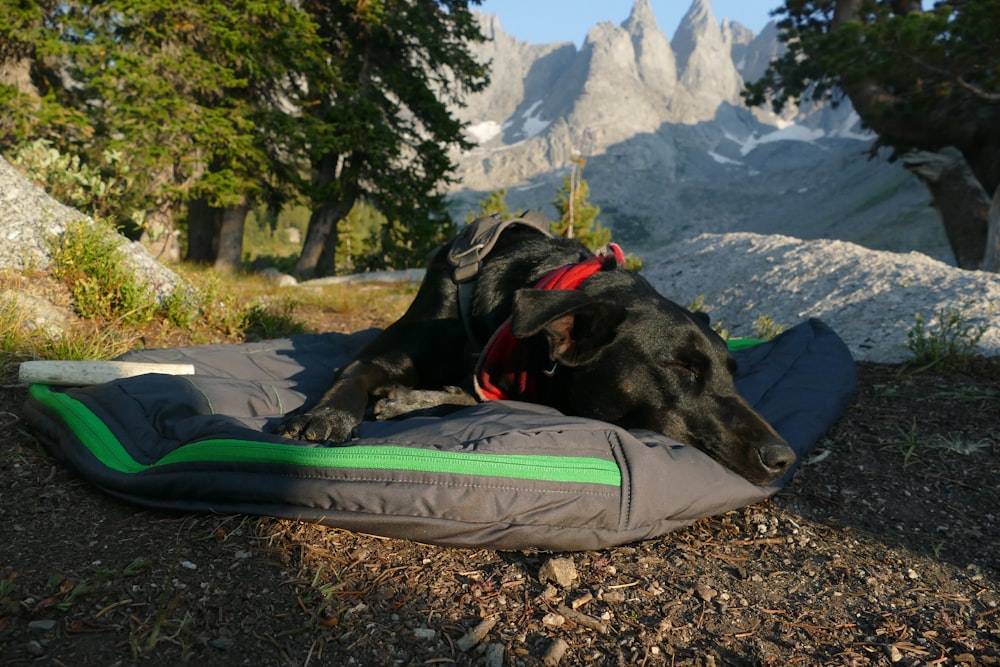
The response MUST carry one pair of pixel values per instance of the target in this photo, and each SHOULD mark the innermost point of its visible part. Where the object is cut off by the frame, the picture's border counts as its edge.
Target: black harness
(472, 245)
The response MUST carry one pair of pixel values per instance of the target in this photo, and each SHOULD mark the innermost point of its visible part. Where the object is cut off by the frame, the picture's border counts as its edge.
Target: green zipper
(102, 443)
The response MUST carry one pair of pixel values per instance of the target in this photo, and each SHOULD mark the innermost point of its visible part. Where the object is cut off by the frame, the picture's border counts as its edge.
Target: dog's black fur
(622, 353)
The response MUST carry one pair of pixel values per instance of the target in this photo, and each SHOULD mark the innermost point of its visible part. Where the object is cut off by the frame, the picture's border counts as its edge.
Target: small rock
(613, 596)
(557, 649)
(43, 625)
(560, 570)
(35, 649)
(424, 633)
(553, 620)
(475, 635)
(494, 655)
(279, 278)
(706, 593)
(222, 643)
(550, 593)
(895, 655)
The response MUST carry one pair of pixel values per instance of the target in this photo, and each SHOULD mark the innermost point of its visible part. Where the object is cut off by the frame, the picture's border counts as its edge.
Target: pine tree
(495, 202)
(577, 216)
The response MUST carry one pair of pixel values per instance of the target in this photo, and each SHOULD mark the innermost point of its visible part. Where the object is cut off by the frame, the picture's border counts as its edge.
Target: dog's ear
(576, 325)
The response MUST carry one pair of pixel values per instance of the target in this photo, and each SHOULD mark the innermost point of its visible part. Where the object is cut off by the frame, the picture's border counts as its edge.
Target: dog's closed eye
(684, 371)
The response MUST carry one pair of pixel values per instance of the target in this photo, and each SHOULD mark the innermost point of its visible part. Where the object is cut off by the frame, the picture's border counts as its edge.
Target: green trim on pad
(736, 344)
(103, 445)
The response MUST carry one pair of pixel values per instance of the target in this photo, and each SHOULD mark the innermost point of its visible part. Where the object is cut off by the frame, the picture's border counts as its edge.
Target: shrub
(98, 191)
(88, 260)
(948, 343)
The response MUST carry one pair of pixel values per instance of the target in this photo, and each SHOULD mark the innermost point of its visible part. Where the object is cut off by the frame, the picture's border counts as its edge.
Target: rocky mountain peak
(653, 55)
(641, 18)
(704, 60)
(697, 27)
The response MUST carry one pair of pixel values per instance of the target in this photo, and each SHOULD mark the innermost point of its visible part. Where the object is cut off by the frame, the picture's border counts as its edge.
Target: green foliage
(266, 321)
(495, 202)
(358, 246)
(920, 78)
(100, 192)
(252, 101)
(87, 258)
(577, 216)
(950, 342)
(766, 328)
(388, 131)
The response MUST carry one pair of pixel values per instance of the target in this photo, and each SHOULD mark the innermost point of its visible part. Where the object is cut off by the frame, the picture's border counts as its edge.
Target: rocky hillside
(870, 298)
(671, 149)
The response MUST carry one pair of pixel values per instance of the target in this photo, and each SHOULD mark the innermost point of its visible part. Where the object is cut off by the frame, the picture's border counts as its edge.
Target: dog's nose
(776, 456)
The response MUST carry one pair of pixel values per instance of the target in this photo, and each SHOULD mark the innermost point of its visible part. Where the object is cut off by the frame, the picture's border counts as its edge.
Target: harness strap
(472, 245)
(478, 238)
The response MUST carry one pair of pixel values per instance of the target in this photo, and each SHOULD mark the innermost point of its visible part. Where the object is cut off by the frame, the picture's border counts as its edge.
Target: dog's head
(639, 360)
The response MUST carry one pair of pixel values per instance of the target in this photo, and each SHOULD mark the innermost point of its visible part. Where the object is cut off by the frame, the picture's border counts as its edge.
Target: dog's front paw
(319, 426)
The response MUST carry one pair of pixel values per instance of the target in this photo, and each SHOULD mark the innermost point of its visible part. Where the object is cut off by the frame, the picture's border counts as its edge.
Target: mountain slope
(671, 150)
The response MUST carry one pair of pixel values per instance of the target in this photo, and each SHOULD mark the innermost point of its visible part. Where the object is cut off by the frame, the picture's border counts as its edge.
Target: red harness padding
(506, 357)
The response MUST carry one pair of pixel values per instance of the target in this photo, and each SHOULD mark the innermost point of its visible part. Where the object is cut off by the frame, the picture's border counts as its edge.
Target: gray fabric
(800, 382)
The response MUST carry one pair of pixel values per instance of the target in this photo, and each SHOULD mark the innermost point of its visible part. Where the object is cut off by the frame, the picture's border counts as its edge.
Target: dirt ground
(884, 550)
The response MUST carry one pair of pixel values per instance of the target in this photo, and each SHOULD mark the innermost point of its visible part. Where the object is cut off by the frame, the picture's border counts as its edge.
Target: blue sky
(544, 21)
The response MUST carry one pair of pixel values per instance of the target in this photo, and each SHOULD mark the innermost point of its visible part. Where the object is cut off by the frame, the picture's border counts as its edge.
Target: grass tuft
(949, 342)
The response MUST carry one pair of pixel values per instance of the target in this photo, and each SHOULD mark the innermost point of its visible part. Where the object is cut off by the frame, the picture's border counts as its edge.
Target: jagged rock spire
(704, 62)
(654, 57)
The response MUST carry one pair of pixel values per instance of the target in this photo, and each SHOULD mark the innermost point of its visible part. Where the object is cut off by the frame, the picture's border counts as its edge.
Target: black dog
(567, 329)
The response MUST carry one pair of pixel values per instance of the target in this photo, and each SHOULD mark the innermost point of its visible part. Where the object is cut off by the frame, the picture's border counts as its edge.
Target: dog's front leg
(342, 407)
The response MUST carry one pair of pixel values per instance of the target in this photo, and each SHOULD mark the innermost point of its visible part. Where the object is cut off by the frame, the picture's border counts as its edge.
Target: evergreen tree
(922, 79)
(388, 129)
(194, 95)
(495, 202)
(577, 216)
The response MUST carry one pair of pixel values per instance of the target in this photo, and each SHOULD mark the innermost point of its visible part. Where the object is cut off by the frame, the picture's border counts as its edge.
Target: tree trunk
(159, 234)
(960, 199)
(991, 258)
(319, 250)
(234, 219)
(203, 223)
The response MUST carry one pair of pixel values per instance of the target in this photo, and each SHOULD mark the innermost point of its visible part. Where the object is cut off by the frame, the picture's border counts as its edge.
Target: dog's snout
(777, 457)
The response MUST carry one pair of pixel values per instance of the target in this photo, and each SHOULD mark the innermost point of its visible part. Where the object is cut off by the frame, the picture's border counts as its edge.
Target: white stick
(92, 372)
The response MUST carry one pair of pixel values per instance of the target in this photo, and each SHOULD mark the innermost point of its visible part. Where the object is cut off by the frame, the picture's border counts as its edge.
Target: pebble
(222, 643)
(706, 593)
(560, 570)
(43, 625)
(494, 654)
(553, 620)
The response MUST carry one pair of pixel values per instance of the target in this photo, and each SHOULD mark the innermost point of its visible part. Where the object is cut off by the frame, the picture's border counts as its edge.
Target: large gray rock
(29, 219)
(869, 297)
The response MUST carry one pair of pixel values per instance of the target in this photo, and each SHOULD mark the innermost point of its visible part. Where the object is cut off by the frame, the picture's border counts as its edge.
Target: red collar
(505, 357)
